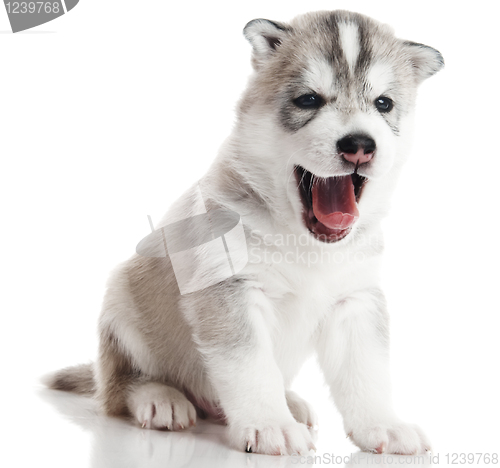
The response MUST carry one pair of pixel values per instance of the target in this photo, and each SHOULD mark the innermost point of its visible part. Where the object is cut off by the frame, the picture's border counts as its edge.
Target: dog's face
(329, 111)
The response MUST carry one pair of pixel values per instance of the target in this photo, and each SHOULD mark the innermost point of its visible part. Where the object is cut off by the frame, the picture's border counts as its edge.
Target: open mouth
(330, 204)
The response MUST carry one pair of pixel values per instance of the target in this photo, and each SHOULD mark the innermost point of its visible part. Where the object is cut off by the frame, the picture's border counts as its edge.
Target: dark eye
(309, 101)
(384, 104)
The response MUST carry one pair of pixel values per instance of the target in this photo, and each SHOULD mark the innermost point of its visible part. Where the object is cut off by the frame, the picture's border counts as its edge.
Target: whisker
(287, 164)
(311, 183)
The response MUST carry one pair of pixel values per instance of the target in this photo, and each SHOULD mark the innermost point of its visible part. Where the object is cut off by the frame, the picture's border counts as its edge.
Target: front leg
(231, 332)
(353, 351)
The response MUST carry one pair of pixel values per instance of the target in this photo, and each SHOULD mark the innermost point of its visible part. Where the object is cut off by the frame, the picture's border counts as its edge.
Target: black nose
(351, 144)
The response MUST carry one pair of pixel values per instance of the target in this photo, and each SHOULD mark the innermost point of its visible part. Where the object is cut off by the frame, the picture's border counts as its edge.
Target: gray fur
(77, 379)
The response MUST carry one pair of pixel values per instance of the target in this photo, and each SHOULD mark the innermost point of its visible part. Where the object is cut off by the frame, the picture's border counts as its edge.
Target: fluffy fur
(231, 350)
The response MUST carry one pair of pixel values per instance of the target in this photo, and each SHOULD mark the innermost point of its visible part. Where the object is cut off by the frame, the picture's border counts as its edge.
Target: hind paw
(301, 410)
(158, 406)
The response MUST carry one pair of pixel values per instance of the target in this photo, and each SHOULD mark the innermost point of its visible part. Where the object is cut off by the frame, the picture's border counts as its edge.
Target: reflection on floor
(116, 443)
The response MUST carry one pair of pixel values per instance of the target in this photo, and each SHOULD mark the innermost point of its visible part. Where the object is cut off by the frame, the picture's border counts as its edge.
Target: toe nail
(248, 449)
(380, 448)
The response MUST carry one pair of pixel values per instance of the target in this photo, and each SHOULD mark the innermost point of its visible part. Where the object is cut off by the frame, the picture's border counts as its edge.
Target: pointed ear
(265, 36)
(426, 60)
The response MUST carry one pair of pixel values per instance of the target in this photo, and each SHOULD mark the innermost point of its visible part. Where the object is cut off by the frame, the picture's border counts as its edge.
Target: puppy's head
(328, 114)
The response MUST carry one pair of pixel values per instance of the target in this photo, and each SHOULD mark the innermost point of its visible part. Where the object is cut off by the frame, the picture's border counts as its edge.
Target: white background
(108, 113)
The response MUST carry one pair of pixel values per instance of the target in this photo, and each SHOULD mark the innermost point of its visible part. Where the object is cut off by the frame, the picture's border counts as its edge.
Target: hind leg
(114, 376)
(123, 391)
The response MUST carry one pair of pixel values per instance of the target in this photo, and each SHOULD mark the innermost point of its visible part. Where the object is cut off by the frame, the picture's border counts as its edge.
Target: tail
(77, 379)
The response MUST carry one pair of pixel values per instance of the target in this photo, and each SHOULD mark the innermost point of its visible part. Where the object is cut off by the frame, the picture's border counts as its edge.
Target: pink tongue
(334, 202)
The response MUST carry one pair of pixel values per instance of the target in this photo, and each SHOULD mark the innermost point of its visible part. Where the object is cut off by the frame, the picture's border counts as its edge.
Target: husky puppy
(322, 132)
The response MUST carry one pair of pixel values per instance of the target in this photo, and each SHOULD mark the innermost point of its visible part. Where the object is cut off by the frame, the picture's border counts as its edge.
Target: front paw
(394, 437)
(272, 438)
